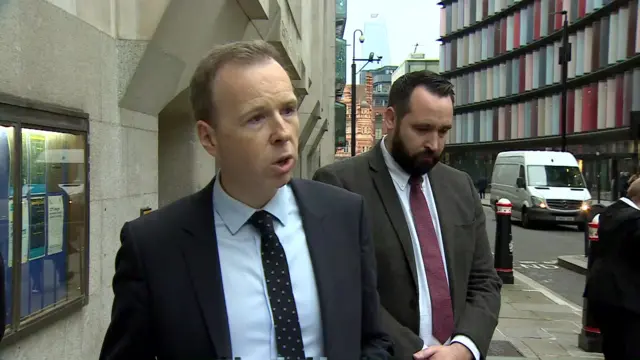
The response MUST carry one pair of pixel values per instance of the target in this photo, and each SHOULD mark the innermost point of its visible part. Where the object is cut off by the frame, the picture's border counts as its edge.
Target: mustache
(428, 152)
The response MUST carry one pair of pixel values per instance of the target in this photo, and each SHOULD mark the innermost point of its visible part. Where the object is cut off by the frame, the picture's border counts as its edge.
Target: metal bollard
(503, 258)
(586, 233)
(589, 215)
(590, 339)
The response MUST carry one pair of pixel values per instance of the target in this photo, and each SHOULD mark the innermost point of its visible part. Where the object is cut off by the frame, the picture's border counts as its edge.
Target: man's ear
(208, 137)
(390, 119)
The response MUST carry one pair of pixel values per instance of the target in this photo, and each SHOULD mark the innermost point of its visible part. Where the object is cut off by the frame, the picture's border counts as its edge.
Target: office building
(503, 58)
(101, 85)
(416, 62)
(377, 40)
(381, 86)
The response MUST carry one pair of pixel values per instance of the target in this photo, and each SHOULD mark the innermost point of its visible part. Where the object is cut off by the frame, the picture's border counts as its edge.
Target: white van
(544, 186)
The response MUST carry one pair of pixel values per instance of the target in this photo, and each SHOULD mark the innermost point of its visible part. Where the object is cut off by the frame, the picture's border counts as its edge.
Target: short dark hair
(240, 52)
(403, 87)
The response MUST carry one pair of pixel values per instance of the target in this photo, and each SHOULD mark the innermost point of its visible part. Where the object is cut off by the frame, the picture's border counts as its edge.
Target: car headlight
(586, 205)
(538, 202)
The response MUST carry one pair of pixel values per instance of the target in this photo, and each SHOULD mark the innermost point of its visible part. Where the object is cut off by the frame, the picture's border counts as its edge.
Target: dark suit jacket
(475, 286)
(169, 299)
(3, 310)
(614, 277)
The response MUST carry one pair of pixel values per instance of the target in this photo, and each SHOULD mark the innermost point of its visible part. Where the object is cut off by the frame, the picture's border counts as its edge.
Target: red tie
(441, 308)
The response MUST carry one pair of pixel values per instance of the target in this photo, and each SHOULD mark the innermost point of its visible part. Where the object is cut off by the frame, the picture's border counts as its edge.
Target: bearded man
(439, 291)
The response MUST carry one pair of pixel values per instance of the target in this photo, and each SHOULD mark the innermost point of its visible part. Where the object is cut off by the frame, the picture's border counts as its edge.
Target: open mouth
(285, 160)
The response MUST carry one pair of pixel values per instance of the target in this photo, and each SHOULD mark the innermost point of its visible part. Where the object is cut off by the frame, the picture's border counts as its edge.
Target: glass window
(43, 240)
(556, 176)
(378, 126)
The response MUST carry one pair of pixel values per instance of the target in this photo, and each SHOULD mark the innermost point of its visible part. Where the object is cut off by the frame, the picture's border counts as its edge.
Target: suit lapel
(440, 191)
(200, 251)
(320, 250)
(387, 193)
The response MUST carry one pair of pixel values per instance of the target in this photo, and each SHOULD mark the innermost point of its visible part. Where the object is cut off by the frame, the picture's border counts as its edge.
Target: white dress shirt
(401, 183)
(629, 202)
(247, 301)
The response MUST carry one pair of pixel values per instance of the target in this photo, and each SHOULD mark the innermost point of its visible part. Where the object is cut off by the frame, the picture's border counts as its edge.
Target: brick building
(365, 136)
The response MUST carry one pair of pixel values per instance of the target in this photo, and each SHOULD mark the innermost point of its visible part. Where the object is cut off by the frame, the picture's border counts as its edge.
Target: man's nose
(431, 140)
(280, 129)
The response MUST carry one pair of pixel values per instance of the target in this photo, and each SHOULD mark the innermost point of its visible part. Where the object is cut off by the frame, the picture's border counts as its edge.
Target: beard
(416, 164)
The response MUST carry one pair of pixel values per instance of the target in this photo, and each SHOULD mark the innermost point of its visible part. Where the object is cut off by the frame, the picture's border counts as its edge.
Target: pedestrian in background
(482, 186)
(623, 184)
(439, 290)
(613, 284)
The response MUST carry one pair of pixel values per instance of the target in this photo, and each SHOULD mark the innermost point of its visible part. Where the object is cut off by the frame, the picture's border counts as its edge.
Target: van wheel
(581, 227)
(526, 223)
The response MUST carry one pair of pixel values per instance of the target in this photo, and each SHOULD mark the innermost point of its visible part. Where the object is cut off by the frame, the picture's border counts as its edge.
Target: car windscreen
(555, 176)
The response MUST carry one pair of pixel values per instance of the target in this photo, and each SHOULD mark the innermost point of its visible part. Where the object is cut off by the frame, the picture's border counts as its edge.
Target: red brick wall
(365, 120)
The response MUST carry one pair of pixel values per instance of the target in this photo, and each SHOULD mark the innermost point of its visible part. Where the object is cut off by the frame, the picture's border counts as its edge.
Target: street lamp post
(353, 90)
(371, 58)
(564, 58)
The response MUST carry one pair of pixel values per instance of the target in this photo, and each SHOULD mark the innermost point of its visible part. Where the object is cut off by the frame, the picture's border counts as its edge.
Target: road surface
(536, 251)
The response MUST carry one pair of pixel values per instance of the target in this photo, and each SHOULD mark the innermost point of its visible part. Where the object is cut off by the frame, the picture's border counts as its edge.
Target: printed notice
(10, 250)
(37, 228)
(55, 224)
(25, 230)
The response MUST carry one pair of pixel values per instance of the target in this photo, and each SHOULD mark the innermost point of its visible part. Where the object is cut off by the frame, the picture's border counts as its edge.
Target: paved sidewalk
(575, 263)
(538, 323)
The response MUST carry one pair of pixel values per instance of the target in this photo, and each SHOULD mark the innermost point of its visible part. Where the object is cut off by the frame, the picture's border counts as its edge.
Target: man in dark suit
(256, 265)
(613, 284)
(439, 291)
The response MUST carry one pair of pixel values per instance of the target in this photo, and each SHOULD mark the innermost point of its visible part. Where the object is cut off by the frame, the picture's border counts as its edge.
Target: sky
(408, 22)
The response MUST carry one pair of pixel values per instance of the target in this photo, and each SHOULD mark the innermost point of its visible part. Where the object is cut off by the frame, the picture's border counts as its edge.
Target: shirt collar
(630, 203)
(235, 214)
(399, 176)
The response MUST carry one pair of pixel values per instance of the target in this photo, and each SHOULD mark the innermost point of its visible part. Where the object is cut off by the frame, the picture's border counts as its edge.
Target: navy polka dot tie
(278, 281)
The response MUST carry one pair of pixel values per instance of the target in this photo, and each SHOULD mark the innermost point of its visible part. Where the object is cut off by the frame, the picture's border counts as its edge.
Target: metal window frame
(25, 113)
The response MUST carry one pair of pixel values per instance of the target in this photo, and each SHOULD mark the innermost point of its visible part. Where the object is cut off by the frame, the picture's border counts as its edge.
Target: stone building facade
(94, 106)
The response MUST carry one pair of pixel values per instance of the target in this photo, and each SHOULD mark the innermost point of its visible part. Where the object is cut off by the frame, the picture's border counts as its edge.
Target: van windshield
(555, 176)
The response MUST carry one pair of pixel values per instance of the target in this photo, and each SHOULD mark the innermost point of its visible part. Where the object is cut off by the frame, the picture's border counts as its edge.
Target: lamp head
(361, 39)
(371, 56)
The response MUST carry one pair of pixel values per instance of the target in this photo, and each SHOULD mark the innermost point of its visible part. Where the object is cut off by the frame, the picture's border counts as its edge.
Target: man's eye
(256, 119)
(288, 111)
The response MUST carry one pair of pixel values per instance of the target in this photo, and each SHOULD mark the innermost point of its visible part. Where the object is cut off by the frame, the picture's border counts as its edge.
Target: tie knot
(262, 220)
(415, 180)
